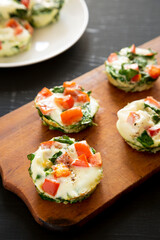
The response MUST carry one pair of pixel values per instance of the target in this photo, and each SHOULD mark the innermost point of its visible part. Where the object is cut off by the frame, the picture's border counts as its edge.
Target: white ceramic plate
(54, 39)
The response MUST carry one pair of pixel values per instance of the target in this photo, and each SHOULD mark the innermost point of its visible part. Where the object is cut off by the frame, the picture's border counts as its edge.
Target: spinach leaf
(93, 150)
(55, 156)
(48, 171)
(30, 156)
(145, 139)
(58, 89)
(156, 119)
(64, 139)
(154, 109)
(86, 114)
(89, 93)
(38, 177)
(129, 73)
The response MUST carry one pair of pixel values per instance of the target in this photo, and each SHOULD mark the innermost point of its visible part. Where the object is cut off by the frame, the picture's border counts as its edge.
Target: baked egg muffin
(132, 69)
(65, 170)
(139, 124)
(67, 108)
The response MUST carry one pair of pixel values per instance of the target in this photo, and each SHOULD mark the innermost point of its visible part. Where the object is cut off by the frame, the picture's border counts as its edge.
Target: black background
(113, 24)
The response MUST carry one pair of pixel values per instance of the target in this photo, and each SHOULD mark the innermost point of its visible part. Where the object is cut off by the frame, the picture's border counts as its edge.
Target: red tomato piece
(65, 102)
(25, 3)
(149, 54)
(136, 78)
(46, 145)
(61, 170)
(83, 148)
(71, 116)
(28, 27)
(71, 91)
(82, 97)
(112, 57)
(153, 131)
(151, 100)
(44, 93)
(50, 186)
(95, 160)
(132, 117)
(0, 45)
(18, 30)
(12, 23)
(81, 161)
(45, 109)
(133, 48)
(69, 84)
(153, 71)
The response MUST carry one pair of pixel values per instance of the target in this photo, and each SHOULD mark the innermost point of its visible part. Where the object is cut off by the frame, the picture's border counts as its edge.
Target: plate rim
(31, 62)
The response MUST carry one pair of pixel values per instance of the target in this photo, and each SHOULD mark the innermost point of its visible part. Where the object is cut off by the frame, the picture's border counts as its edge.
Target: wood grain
(21, 131)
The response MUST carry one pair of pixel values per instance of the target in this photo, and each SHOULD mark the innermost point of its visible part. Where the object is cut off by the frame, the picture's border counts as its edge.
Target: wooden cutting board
(21, 131)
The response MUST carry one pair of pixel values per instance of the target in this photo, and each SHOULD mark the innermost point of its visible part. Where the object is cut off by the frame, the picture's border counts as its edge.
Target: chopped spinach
(145, 139)
(87, 118)
(89, 93)
(129, 73)
(55, 156)
(154, 109)
(38, 177)
(48, 171)
(30, 156)
(58, 89)
(156, 119)
(64, 139)
(93, 150)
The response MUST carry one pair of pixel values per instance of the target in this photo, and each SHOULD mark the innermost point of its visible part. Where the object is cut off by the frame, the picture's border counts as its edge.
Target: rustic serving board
(21, 131)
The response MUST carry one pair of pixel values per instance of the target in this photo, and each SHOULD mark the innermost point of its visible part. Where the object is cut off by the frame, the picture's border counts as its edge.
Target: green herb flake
(58, 89)
(64, 139)
(145, 139)
(93, 150)
(55, 156)
(30, 156)
(38, 177)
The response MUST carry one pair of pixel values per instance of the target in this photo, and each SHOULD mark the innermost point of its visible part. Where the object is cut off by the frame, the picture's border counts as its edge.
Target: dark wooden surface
(113, 24)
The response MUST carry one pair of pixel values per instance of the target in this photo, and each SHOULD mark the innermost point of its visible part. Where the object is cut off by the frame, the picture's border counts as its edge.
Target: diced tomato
(83, 148)
(82, 97)
(65, 102)
(12, 23)
(132, 66)
(95, 160)
(28, 27)
(71, 91)
(0, 45)
(81, 161)
(153, 131)
(61, 170)
(71, 116)
(69, 84)
(50, 186)
(46, 145)
(149, 54)
(151, 100)
(133, 48)
(132, 117)
(25, 3)
(45, 109)
(112, 57)
(136, 78)
(18, 30)
(153, 71)
(44, 93)
(65, 158)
